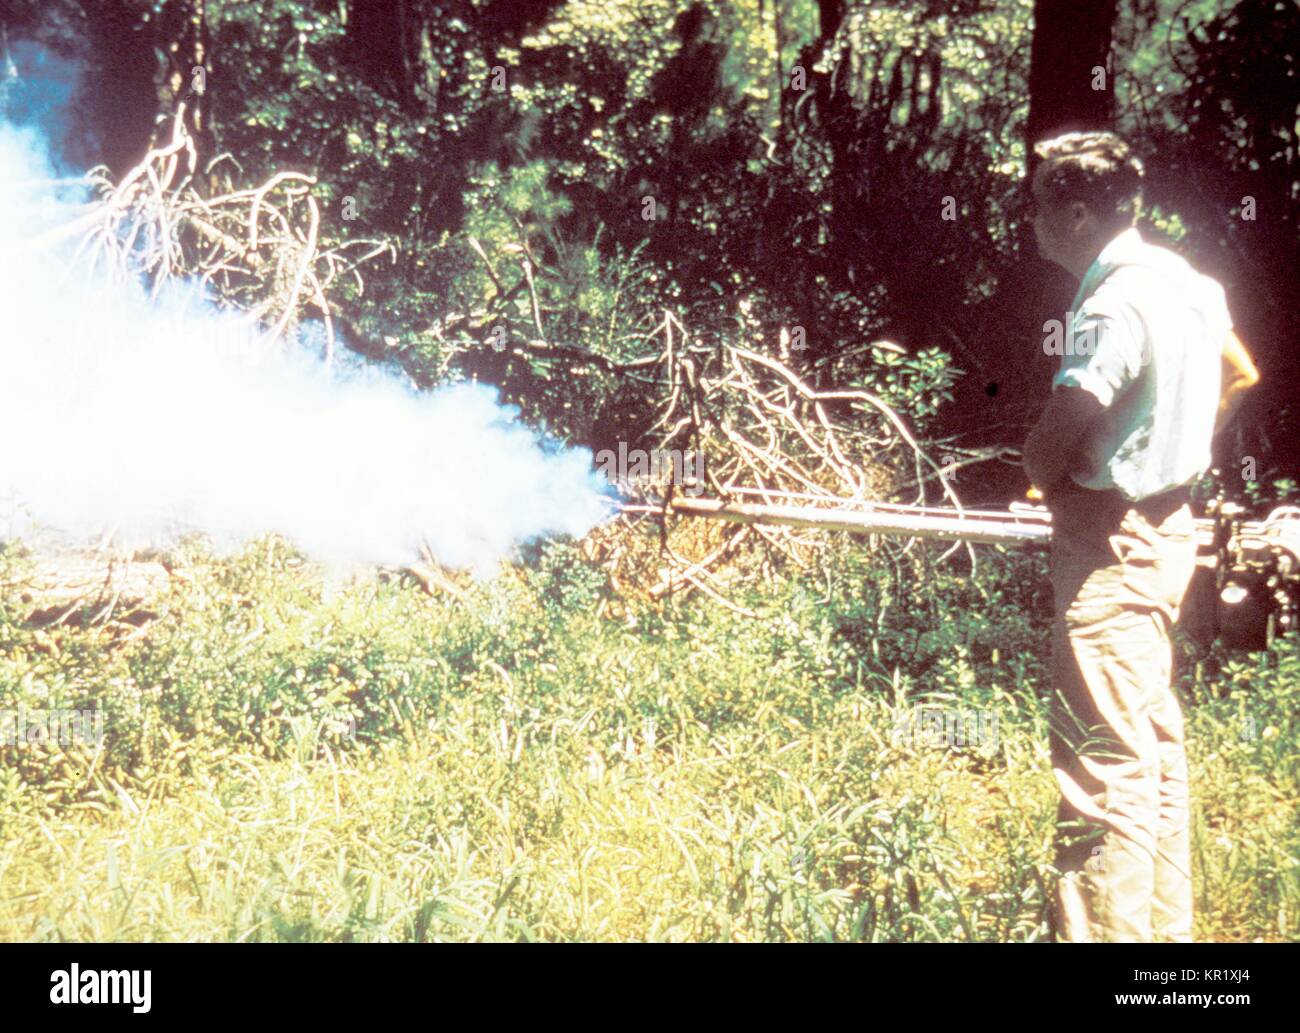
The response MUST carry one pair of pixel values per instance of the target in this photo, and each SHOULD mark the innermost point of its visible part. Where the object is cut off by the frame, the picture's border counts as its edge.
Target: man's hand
(1052, 449)
(1239, 376)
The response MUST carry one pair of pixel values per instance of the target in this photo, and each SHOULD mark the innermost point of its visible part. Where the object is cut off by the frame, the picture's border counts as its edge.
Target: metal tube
(1278, 534)
(1017, 512)
(1009, 531)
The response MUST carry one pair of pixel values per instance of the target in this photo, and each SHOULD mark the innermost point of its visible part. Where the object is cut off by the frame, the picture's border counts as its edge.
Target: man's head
(1086, 189)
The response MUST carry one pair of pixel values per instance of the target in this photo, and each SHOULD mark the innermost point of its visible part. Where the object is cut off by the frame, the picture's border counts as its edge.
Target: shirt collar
(1124, 249)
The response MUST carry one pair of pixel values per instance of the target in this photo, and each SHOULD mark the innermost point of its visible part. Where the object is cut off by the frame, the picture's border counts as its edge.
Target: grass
(290, 760)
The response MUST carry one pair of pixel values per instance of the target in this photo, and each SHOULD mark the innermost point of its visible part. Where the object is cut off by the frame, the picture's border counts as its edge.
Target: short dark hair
(1097, 168)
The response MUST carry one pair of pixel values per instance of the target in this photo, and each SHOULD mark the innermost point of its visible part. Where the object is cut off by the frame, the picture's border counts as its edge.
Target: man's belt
(1157, 508)
(1107, 508)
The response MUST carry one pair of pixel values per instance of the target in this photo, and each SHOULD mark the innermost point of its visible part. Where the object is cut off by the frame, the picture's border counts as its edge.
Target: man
(1150, 372)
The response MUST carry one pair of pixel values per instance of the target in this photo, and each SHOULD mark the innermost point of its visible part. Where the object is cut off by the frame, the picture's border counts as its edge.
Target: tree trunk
(1071, 40)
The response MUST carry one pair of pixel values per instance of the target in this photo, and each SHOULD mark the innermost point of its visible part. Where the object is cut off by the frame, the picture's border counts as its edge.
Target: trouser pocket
(1157, 562)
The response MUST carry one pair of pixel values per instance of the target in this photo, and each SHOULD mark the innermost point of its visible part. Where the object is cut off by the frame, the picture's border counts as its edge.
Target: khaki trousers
(1122, 844)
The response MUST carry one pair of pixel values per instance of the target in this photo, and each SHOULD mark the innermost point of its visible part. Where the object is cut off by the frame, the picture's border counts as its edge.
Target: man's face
(1065, 231)
(1050, 230)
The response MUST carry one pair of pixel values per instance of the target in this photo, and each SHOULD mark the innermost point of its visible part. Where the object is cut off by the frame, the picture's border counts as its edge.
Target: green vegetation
(801, 156)
(522, 768)
(293, 757)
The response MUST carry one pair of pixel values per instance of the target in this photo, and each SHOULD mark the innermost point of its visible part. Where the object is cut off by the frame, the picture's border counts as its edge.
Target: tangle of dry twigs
(762, 430)
(257, 251)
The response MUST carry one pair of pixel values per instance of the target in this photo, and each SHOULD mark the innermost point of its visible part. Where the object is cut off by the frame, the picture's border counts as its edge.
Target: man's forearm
(1052, 449)
(1045, 464)
(1230, 401)
(1239, 376)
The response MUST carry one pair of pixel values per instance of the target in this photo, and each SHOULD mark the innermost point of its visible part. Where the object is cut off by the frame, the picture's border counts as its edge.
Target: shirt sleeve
(1107, 354)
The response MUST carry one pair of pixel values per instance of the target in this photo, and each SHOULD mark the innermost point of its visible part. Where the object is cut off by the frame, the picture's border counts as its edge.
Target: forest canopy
(853, 169)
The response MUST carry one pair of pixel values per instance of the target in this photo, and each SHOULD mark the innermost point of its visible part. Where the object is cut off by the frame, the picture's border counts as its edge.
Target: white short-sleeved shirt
(1147, 337)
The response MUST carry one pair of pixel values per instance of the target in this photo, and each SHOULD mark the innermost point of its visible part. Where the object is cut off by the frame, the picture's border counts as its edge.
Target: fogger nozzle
(1031, 525)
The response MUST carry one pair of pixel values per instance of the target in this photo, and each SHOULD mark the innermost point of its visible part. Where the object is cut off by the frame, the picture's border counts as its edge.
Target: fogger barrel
(1009, 527)
(1278, 533)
